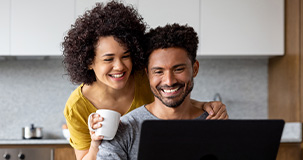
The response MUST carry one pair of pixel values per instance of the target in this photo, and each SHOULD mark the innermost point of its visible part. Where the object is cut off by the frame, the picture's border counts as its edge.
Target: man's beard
(174, 103)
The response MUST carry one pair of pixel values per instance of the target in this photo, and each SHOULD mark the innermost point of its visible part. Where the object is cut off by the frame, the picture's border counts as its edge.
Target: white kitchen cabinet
(84, 5)
(38, 26)
(4, 27)
(242, 27)
(161, 12)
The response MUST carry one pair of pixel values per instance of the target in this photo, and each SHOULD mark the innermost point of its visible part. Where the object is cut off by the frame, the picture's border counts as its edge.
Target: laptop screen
(210, 139)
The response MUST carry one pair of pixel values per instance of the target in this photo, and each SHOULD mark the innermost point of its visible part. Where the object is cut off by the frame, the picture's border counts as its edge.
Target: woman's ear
(146, 71)
(195, 68)
(90, 67)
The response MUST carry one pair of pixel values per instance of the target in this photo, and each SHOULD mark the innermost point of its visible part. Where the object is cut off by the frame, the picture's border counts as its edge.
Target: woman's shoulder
(77, 103)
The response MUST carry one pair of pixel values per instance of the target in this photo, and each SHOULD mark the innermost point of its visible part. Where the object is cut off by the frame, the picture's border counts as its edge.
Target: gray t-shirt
(126, 142)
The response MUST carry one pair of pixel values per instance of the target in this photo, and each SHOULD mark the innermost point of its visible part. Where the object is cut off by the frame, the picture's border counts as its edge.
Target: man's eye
(179, 69)
(158, 72)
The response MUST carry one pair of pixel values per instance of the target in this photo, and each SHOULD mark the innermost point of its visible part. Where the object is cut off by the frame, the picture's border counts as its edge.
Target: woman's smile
(117, 76)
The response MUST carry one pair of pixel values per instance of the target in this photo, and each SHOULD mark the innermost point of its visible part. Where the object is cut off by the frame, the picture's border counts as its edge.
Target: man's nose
(169, 78)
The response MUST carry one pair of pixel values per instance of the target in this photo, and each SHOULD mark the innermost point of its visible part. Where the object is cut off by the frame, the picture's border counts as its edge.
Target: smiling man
(171, 66)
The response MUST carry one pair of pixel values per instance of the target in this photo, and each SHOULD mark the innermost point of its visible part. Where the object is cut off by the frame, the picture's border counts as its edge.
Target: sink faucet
(217, 97)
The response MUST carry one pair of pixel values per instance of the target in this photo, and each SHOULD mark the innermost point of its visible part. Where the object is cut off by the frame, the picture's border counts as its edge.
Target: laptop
(210, 139)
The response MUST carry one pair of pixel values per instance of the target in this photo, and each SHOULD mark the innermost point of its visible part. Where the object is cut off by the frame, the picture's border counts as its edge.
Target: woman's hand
(94, 121)
(215, 109)
(91, 153)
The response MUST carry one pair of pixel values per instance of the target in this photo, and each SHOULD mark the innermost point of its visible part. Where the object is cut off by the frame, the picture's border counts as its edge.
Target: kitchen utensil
(32, 132)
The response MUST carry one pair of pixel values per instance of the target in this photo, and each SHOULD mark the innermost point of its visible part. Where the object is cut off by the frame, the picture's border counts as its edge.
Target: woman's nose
(118, 65)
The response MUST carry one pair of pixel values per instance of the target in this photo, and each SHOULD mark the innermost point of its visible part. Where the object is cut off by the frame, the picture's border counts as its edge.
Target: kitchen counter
(292, 132)
(34, 142)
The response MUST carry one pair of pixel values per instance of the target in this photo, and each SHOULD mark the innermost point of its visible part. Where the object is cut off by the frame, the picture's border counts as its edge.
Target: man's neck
(184, 111)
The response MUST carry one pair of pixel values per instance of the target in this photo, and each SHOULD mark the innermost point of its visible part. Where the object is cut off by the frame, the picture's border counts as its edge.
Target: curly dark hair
(113, 19)
(171, 35)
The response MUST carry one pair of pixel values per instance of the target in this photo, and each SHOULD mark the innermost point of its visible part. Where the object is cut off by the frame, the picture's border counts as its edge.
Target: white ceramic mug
(110, 123)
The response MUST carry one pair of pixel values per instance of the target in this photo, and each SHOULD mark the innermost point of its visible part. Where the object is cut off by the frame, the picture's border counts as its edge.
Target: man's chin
(172, 103)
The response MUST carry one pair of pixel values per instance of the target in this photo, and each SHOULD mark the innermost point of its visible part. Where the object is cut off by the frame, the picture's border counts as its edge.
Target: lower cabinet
(64, 153)
(37, 152)
(289, 151)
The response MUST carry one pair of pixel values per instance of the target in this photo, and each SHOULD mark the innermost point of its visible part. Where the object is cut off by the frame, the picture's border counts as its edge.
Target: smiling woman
(102, 52)
(112, 64)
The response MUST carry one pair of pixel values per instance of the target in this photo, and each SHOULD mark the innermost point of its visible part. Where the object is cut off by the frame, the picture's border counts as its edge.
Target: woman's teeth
(170, 90)
(117, 75)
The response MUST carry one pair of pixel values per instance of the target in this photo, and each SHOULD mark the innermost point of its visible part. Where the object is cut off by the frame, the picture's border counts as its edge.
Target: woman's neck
(103, 96)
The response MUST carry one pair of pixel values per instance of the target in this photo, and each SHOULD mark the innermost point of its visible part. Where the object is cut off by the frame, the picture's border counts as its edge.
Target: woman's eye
(109, 59)
(126, 56)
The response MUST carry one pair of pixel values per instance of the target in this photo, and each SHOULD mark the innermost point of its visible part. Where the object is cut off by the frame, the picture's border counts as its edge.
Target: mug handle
(89, 125)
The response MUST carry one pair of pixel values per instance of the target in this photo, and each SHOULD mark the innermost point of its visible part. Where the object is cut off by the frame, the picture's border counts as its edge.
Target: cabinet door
(161, 12)
(4, 27)
(38, 26)
(242, 27)
(83, 5)
(66, 153)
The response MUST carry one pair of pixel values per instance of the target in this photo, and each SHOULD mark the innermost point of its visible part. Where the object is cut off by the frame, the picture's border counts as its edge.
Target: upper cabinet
(5, 27)
(242, 27)
(162, 12)
(84, 5)
(225, 27)
(38, 26)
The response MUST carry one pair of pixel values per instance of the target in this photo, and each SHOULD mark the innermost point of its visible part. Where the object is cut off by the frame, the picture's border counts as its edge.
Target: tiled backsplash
(35, 91)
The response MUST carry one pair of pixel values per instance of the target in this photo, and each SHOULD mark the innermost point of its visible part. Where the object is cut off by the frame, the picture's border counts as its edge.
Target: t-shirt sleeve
(79, 134)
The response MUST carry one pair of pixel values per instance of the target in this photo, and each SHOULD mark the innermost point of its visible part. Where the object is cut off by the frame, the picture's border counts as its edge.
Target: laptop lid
(210, 139)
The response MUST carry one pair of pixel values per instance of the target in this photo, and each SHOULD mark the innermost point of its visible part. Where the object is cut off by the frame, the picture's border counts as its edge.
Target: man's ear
(195, 68)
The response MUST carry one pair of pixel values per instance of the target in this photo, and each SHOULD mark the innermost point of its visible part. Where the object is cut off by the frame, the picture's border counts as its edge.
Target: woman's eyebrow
(126, 51)
(108, 54)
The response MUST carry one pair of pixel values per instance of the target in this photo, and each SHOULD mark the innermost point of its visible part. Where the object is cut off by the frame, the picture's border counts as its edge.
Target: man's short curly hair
(113, 19)
(172, 35)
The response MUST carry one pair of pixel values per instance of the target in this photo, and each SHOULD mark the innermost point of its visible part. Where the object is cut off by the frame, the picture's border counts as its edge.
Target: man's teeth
(117, 75)
(170, 90)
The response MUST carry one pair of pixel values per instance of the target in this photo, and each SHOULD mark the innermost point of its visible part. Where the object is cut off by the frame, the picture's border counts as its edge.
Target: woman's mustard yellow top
(78, 108)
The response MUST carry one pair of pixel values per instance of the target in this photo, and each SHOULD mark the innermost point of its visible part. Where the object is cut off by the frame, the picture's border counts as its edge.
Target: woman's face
(112, 63)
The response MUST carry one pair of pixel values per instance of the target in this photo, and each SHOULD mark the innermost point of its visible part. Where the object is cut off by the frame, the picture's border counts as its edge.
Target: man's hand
(215, 109)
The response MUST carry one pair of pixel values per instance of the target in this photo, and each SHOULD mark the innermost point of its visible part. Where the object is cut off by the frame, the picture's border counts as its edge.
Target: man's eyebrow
(175, 66)
(155, 68)
(179, 65)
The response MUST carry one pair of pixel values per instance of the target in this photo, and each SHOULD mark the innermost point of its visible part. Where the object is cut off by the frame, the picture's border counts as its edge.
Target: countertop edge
(34, 142)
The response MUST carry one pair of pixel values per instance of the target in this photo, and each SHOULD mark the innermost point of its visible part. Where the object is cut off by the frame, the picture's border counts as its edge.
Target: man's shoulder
(135, 116)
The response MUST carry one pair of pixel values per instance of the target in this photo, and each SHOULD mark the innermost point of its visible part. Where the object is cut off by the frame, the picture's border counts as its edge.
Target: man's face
(170, 74)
